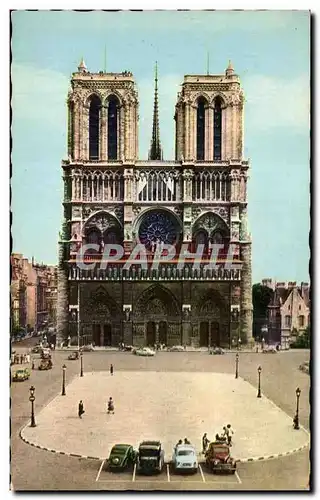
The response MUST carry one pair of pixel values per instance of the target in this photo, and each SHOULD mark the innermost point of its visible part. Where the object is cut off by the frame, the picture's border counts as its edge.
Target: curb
(89, 457)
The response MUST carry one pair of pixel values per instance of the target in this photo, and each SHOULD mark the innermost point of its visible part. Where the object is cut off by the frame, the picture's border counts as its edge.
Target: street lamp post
(32, 399)
(63, 380)
(259, 382)
(81, 364)
(237, 365)
(296, 418)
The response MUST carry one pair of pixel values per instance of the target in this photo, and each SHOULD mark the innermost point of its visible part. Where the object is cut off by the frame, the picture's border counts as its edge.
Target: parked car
(87, 348)
(184, 458)
(218, 458)
(270, 349)
(74, 355)
(216, 350)
(176, 348)
(144, 351)
(21, 375)
(122, 456)
(150, 457)
(45, 364)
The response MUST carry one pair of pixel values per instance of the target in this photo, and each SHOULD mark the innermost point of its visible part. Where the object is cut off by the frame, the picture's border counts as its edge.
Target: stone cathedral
(111, 196)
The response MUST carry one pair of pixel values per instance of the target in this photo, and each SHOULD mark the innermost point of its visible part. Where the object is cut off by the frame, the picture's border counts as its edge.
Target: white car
(176, 348)
(185, 459)
(144, 351)
(270, 350)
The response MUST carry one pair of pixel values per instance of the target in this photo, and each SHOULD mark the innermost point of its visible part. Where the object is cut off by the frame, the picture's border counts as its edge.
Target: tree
(303, 340)
(261, 298)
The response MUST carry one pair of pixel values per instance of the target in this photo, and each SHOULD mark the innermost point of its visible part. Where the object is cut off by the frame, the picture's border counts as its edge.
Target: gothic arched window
(201, 238)
(113, 128)
(94, 127)
(200, 128)
(217, 126)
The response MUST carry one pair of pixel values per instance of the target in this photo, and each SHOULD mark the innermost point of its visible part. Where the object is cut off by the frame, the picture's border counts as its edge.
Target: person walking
(205, 442)
(228, 432)
(111, 369)
(110, 406)
(80, 409)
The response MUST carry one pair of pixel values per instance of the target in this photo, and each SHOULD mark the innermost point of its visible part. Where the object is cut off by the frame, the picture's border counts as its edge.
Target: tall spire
(155, 152)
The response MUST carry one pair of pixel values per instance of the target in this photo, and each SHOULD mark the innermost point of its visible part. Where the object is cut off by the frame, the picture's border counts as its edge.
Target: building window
(94, 125)
(287, 321)
(300, 307)
(301, 321)
(289, 307)
(200, 129)
(113, 128)
(217, 126)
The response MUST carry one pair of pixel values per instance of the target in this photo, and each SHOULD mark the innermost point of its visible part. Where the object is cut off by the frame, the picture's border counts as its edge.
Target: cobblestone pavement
(34, 469)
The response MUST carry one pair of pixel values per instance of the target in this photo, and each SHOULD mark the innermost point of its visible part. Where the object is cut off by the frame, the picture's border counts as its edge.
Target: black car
(150, 457)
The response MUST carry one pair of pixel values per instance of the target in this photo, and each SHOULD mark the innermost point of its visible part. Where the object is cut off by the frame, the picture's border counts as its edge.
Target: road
(35, 469)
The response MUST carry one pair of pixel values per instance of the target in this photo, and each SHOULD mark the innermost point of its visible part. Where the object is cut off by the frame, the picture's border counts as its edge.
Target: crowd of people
(20, 358)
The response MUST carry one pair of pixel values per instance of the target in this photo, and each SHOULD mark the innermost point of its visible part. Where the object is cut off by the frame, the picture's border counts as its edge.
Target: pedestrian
(21, 358)
(186, 441)
(80, 409)
(228, 432)
(32, 367)
(69, 340)
(110, 405)
(205, 442)
(111, 369)
(28, 358)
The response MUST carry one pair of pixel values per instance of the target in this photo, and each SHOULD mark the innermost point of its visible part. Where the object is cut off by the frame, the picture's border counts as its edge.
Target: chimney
(292, 284)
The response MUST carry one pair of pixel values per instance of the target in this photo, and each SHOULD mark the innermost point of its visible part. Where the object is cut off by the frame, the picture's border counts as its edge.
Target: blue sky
(270, 52)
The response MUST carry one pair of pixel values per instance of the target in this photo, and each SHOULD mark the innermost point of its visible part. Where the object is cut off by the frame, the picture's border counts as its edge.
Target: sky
(271, 54)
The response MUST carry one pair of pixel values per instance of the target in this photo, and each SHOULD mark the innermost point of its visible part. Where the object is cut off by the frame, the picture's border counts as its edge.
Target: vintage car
(144, 351)
(45, 364)
(122, 456)
(36, 349)
(305, 367)
(184, 458)
(45, 353)
(74, 355)
(216, 350)
(150, 458)
(270, 349)
(218, 458)
(21, 375)
(87, 348)
(176, 348)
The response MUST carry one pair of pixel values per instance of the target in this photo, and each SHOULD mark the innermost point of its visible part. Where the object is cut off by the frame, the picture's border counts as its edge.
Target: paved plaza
(165, 406)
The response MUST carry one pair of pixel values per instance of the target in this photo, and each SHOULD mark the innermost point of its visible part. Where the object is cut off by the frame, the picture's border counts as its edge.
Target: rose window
(157, 228)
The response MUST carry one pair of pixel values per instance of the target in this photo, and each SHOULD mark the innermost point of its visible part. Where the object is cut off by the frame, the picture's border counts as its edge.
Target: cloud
(39, 95)
(277, 103)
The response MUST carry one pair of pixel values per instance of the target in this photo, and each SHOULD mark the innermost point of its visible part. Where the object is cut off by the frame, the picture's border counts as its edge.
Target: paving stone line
(88, 457)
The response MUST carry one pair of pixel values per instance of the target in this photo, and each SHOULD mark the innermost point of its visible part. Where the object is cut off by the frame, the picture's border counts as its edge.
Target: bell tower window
(113, 128)
(200, 129)
(94, 125)
(217, 125)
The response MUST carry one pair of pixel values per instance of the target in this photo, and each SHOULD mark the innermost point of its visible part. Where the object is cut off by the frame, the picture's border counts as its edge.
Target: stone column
(84, 133)
(121, 137)
(186, 324)
(246, 282)
(235, 296)
(62, 297)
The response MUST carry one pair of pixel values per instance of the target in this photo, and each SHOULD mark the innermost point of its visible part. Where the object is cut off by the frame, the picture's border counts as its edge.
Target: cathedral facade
(113, 197)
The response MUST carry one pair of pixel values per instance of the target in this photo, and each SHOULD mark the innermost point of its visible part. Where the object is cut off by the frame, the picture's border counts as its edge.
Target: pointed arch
(157, 300)
(201, 105)
(94, 126)
(113, 126)
(217, 127)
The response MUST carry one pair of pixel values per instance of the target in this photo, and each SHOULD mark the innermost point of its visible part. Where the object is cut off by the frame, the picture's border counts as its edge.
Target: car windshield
(220, 450)
(185, 452)
(119, 451)
(148, 452)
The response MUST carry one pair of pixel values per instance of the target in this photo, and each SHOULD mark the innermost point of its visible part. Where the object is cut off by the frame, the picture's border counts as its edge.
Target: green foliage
(303, 340)
(261, 298)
